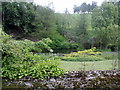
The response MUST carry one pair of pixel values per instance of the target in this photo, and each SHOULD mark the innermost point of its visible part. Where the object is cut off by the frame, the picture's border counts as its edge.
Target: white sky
(61, 5)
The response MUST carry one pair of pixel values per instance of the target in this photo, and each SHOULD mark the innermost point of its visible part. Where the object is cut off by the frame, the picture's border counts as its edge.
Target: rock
(90, 78)
(52, 80)
(28, 84)
(73, 80)
(50, 86)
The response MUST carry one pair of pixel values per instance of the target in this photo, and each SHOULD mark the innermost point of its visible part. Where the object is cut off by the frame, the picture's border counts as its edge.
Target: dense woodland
(89, 26)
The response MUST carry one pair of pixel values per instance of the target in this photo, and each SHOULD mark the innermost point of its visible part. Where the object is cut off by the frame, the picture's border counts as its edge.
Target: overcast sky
(61, 5)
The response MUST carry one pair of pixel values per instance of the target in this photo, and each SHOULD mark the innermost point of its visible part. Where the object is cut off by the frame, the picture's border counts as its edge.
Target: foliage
(61, 44)
(83, 30)
(58, 42)
(44, 23)
(105, 24)
(48, 68)
(74, 45)
(92, 26)
(86, 55)
(57, 45)
(43, 45)
(18, 15)
(85, 7)
(90, 55)
(18, 61)
(102, 50)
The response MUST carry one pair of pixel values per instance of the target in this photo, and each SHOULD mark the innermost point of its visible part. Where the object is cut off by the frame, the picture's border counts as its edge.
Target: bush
(74, 45)
(102, 50)
(82, 58)
(18, 61)
(43, 45)
(86, 55)
(48, 68)
(80, 48)
(112, 47)
(58, 43)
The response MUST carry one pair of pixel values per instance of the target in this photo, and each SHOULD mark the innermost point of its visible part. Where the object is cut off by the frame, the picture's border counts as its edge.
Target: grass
(95, 65)
(90, 55)
(109, 55)
(77, 62)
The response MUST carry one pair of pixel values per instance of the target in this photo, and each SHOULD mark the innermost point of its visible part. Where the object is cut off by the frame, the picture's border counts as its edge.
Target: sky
(61, 5)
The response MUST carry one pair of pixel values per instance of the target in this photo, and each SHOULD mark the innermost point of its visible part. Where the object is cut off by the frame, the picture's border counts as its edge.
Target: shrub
(48, 68)
(82, 58)
(43, 45)
(18, 61)
(58, 44)
(74, 45)
(86, 55)
(112, 47)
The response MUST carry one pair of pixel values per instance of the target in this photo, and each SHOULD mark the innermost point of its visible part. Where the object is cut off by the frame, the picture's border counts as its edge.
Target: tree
(76, 9)
(94, 4)
(44, 22)
(104, 23)
(66, 11)
(0, 13)
(83, 29)
(84, 7)
(18, 16)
